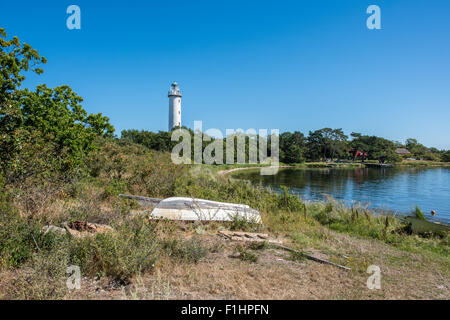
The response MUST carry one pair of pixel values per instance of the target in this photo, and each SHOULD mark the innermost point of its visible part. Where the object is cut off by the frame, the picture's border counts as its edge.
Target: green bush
(127, 167)
(52, 117)
(289, 202)
(132, 248)
(446, 156)
(114, 188)
(21, 238)
(244, 224)
(43, 277)
(191, 250)
(4, 203)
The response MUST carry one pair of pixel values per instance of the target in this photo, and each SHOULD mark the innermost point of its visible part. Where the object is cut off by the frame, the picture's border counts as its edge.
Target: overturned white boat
(190, 209)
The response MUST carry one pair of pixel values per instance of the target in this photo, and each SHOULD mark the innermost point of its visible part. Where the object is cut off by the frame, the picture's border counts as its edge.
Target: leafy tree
(327, 143)
(293, 155)
(360, 142)
(58, 113)
(292, 147)
(375, 147)
(53, 118)
(419, 151)
(411, 143)
(15, 58)
(160, 141)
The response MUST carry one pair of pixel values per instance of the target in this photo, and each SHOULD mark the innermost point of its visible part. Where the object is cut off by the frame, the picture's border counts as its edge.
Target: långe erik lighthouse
(174, 106)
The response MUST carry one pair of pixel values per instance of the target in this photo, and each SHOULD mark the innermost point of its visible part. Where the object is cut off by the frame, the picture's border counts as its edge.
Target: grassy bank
(161, 259)
(294, 165)
(424, 163)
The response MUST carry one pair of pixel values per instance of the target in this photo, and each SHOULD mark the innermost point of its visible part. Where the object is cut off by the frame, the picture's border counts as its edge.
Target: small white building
(174, 106)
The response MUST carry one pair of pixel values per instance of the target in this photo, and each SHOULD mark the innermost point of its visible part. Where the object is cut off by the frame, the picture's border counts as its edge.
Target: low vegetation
(137, 244)
(60, 164)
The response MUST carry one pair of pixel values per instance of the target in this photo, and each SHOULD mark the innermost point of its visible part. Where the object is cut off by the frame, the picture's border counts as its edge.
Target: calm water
(397, 190)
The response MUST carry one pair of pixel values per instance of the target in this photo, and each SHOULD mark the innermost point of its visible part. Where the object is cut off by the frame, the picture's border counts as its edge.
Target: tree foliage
(321, 144)
(446, 156)
(15, 58)
(327, 143)
(153, 140)
(58, 113)
(292, 147)
(419, 151)
(375, 147)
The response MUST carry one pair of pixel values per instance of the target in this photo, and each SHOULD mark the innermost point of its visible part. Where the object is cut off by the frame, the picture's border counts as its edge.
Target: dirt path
(225, 172)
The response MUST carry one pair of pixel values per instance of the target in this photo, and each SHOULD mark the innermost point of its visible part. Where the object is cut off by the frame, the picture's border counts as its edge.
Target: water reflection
(393, 189)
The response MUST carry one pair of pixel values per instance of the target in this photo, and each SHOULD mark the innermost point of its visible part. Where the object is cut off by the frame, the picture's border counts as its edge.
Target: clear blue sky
(290, 65)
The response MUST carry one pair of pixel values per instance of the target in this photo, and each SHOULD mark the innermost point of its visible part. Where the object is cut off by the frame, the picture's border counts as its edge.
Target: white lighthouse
(174, 106)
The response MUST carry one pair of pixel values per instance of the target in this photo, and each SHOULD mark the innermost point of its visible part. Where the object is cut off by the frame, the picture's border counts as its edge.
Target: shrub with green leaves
(446, 156)
(20, 238)
(191, 250)
(205, 186)
(52, 117)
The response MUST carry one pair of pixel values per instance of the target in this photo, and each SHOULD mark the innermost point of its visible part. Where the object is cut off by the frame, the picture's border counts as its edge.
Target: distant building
(402, 151)
(174, 106)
